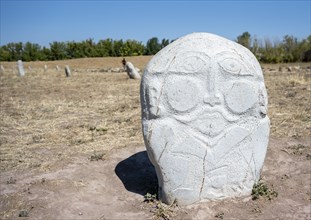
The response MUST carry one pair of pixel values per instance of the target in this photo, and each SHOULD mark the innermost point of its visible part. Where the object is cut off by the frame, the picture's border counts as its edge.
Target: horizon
(63, 21)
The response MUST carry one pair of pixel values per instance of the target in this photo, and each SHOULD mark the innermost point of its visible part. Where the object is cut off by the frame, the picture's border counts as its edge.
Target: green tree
(305, 47)
(105, 48)
(16, 50)
(245, 40)
(31, 52)
(255, 48)
(290, 44)
(164, 42)
(271, 52)
(73, 50)
(5, 54)
(132, 48)
(88, 48)
(45, 54)
(152, 46)
(58, 50)
(117, 48)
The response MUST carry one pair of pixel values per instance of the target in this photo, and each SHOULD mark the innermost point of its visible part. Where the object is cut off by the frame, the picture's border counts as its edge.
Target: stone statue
(130, 69)
(20, 67)
(2, 70)
(204, 118)
(67, 71)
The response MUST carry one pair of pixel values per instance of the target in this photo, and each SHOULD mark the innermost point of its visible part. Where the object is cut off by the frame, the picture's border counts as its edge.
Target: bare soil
(72, 148)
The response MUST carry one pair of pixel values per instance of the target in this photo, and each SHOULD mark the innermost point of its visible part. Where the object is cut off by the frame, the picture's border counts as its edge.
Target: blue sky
(46, 21)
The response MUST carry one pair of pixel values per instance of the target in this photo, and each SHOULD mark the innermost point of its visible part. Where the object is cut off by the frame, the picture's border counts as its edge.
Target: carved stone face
(204, 107)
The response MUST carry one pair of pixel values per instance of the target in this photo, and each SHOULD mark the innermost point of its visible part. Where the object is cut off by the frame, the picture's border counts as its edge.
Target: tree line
(87, 48)
(290, 49)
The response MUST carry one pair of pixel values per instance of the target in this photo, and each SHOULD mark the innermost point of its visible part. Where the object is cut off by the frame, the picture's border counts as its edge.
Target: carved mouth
(211, 124)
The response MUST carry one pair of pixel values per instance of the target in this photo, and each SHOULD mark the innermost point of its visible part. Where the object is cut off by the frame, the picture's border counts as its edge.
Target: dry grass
(289, 101)
(47, 118)
(83, 63)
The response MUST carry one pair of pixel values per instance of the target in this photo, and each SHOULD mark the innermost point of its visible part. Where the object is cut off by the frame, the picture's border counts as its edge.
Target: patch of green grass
(150, 197)
(297, 149)
(159, 209)
(164, 211)
(99, 130)
(23, 213)
(11, 181)
(256, 210)
(261, 189)
(220, 215)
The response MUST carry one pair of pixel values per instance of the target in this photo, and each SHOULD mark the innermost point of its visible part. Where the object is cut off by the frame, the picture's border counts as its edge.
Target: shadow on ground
(138, 174)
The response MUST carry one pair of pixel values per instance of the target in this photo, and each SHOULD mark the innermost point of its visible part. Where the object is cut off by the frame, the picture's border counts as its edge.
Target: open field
(67, 143)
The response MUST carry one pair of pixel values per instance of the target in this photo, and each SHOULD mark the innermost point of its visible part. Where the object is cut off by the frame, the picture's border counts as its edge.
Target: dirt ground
(72, 148)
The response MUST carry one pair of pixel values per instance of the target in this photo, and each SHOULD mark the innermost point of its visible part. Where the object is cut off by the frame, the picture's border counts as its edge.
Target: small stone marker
(20, 68)
(204, 106)
(45, 68)
(29, 67)
(2, 70)
(67, 71)
(57, 68)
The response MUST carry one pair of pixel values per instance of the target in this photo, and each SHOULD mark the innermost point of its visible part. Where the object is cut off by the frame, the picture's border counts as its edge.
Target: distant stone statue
(67, 71)
(20, 68)
(130, 69)
(204, 106)
(2, 70)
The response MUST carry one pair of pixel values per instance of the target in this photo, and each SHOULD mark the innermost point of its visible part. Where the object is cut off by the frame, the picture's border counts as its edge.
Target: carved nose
(212, 100)
(212, 97)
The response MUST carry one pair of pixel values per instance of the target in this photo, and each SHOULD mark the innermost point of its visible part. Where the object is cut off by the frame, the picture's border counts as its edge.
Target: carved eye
(231, 65)
(181, 94)
(190, 62)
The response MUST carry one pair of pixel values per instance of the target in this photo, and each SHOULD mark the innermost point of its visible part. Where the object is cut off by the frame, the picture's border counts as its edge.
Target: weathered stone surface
(67, 71)
(131, 71)
(20, 68)
(204, 106)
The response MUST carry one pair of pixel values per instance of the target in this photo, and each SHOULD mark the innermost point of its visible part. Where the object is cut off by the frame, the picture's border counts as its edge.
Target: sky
(46, 21)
